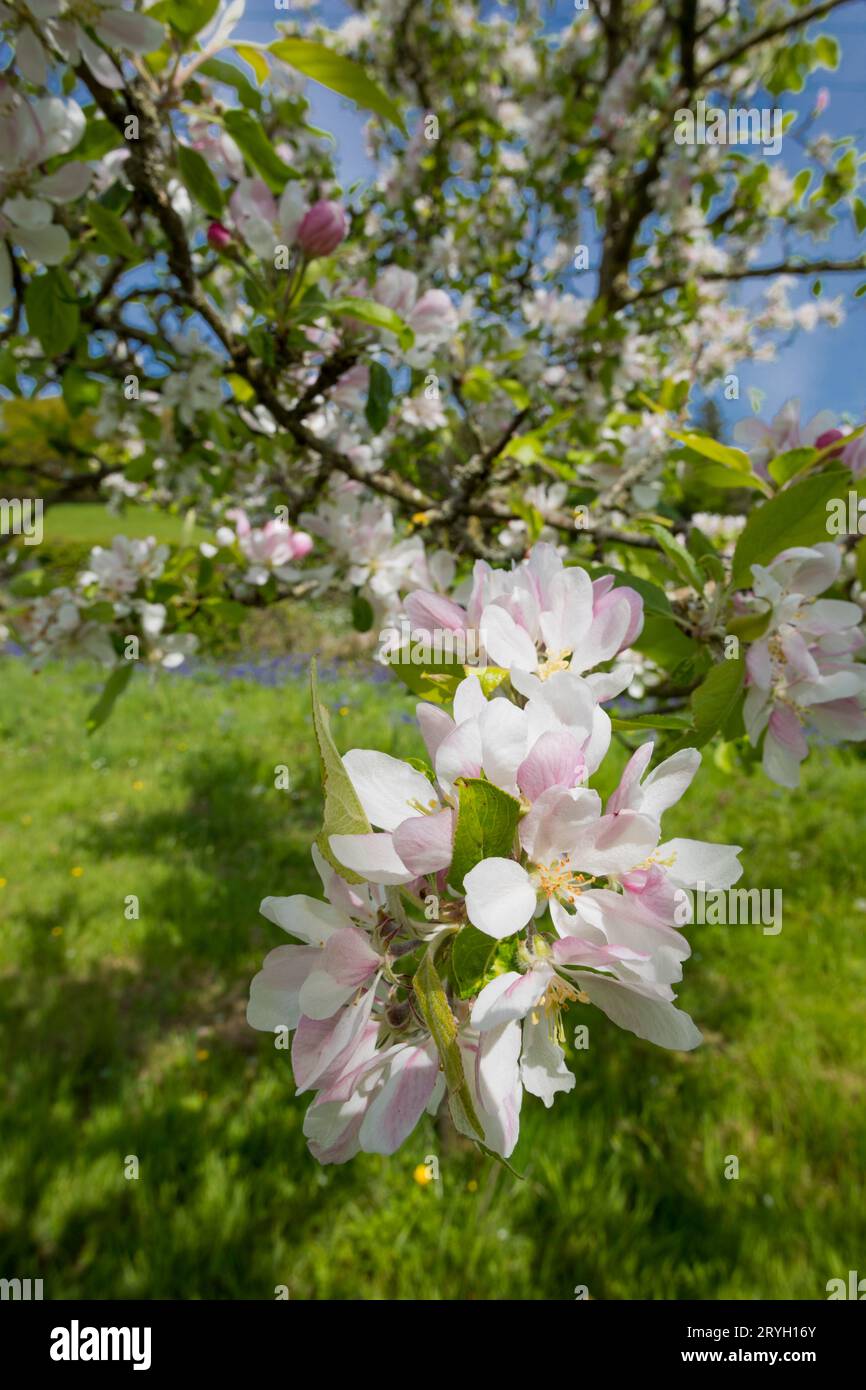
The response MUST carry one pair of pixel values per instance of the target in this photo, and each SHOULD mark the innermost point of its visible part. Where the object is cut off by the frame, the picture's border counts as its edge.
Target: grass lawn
(127, 1038)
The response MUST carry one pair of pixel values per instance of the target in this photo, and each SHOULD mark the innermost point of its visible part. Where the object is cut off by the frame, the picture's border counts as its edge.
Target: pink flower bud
(822, 100)
(830, 437)
(322, 229)
(302, 544)
(219, 237)
(434, 316)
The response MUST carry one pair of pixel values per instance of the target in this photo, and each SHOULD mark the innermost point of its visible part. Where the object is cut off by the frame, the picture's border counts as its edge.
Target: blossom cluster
(110, 597)
(803, 671)
(480, 895)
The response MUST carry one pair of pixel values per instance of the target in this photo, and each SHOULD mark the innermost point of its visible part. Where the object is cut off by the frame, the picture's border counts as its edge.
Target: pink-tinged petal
(252, 199)
(656, 1020)
(469, 699)
(459, 755)
(30, 58)
(354, 900)
(798, 659)
(616, 844)
(599, 740)
(503, 742)
(832, 615)
(322, 996)
(361, 1066)
(542, 1061)
(576, 950)
(569, 699)
(606, 685)
(690, 862)
(67, 183)
(49, 245)
(753, 434)
(637, 945)
(785, 747)
(332, 1128)
(387, 788)
(499, 1088)
(133, 31)
(627, 794)
(435, 725)
(606, 635)
(500, 898)
(756, 711)
(307, 918)
(668, 782)
(836, 685)
(349, 957)
(653, 891)
(840, 719)
(397, 1107)
(425, 843)
(322, 1048)
(556, 760)
(431, 613)
(275, 990)
(807, 570)
(509, 996)
(346, 963)
(759, 664)
(100, 63)
(505, 642)
(606, 599)
(567, 611)
(559, 820)
(373, 856)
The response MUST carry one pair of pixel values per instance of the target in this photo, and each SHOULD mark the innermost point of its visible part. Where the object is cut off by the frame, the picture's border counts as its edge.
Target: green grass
(91, 523)
(128, 1038)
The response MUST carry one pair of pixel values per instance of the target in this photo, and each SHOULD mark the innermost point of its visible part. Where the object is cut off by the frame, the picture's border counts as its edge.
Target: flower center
(552, 664)
(558, 880)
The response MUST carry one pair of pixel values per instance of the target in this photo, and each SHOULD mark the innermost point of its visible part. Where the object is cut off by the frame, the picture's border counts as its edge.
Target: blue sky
(825, 368)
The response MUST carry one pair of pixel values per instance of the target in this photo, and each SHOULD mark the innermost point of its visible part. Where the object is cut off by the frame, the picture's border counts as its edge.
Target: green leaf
(232, 76)
(718, 476)
(711, 449)
(784, 466)
(430, 680)
(487, 819)
(714, 701)
(442, 1026)
(371, 312)
(750, 626)
(497, 1158)
(363, 616)
(52, 312)
(344, 814)
(80, 391)
(254, 143)
(378, 397)
(634, 723)
(476, 959)
(111, 691)
(200, 180)
(112, 231)
(99, 137)
(256, 59)
(685, 564)
(797, 516)
(339, 74)
(186, 17)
